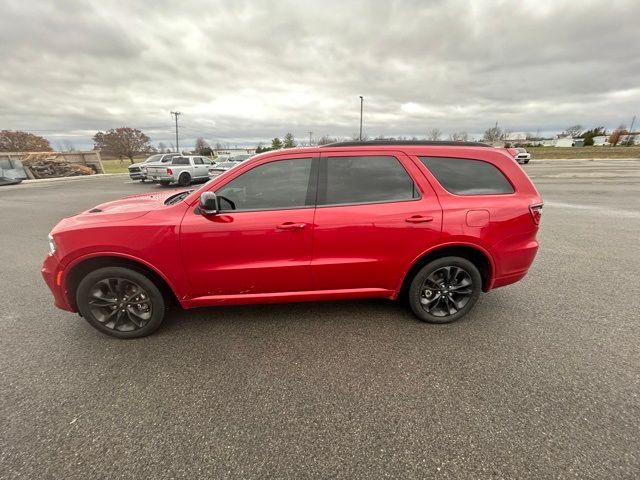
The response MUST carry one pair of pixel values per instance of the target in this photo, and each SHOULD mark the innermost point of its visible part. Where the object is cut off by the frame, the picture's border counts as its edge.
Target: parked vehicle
(434, 222)
(136, 170)
(520, 155)
(182, 169)
(241, 157)
(220, 168)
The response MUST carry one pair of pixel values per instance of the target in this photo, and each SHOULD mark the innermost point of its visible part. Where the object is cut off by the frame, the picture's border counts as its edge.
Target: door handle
(291, 226)
(419, 219)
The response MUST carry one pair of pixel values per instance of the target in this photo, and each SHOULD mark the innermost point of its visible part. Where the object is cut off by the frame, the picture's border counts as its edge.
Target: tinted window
(153, 158)
(198, 161)
(169, 157)
(366, 180)
(275, 185)
(467, 177)
(180, 161)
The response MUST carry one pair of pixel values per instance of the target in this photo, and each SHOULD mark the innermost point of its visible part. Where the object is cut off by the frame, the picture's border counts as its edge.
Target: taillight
(169, 171)
(536, 212)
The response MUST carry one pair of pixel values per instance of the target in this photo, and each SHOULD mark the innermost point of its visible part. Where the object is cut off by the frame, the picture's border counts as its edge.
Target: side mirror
(208, 203)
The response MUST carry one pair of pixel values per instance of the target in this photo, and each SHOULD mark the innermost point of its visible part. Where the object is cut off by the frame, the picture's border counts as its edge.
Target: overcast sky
(242, 71)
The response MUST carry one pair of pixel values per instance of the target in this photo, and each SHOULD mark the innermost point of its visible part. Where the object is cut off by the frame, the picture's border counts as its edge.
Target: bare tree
(574, 131)
(67, 146)
(326, 139)
(202, 147)
(459, 136)
(617, 134)
(434, 134)
(493, 134)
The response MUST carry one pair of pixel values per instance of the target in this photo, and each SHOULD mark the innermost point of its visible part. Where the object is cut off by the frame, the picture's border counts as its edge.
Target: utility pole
(629, 137)
(361, 103)
(176, 114)
(310, 133)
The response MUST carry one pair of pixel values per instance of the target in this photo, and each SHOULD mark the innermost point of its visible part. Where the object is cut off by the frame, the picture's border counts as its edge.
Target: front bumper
(137, 176)
(53, 275)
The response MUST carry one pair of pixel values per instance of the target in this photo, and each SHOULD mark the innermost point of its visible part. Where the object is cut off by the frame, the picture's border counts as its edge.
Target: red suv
(437, 222)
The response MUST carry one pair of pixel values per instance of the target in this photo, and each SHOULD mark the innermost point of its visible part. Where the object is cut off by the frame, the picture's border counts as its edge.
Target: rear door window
(464, 176)
(365, 179)
(180, 161)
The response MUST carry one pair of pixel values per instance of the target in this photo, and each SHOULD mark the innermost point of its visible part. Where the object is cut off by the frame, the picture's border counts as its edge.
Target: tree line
(127, 142)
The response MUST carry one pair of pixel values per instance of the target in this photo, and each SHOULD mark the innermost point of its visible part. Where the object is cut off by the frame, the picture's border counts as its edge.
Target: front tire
(120, 302)
(445, 290)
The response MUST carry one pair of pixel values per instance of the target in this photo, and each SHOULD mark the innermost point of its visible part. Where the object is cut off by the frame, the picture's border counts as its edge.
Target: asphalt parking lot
(541, 380)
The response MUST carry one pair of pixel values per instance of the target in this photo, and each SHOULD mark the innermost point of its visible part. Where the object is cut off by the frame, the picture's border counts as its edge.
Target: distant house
(563, 142)
(631, 139)
(600, 141)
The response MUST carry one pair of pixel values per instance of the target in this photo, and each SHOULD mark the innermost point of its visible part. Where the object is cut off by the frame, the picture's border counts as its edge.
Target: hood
(139, 165)
(126, 208)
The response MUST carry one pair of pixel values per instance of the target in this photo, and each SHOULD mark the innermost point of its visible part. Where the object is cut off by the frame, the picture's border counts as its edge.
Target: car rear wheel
(120, 302)
(184, 179)
(445, 290)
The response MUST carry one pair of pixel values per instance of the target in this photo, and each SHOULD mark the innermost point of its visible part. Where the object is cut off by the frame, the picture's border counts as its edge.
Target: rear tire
(445, 290)
(184, 179)
(120, 302)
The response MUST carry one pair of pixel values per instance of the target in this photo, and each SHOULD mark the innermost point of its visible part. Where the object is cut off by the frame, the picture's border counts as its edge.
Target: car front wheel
(445, 290)
(120, 302)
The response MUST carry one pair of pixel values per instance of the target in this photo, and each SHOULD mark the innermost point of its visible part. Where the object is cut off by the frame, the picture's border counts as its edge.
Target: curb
(36, 181)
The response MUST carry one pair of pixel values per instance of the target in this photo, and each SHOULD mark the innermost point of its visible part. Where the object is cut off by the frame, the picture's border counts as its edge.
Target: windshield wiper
(173, 199)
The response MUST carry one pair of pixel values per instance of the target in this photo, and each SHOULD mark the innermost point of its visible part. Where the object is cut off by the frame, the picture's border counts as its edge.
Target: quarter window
(366, 179)
(180, 161)
(276, 185)
(463, 176)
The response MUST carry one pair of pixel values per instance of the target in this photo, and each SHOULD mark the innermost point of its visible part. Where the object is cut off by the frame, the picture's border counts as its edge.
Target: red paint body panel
(345, 251)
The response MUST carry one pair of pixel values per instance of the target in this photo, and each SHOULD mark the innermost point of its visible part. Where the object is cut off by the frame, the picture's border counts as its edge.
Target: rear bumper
(513, 260)
(53, 273)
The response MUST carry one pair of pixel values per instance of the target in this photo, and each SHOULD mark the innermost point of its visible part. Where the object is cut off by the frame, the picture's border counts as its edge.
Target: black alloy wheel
(445, 290)
(120, 302)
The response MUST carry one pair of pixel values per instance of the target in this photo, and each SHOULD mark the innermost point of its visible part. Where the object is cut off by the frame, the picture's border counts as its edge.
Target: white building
(563, 142)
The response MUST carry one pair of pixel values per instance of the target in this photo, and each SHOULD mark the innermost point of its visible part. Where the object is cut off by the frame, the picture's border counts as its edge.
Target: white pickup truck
(183, 170)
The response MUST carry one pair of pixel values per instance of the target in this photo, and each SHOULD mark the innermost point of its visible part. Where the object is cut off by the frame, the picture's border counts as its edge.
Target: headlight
(52, 245)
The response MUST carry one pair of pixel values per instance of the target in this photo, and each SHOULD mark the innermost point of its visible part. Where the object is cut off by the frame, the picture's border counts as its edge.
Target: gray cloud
(242, 71)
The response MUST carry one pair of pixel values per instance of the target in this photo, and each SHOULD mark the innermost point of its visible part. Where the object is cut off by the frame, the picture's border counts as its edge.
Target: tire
(99, 299)
(184, 179)
(443, 304)
(165, 183)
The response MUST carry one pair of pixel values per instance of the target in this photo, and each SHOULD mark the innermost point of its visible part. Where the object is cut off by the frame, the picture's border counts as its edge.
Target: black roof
(374, 143)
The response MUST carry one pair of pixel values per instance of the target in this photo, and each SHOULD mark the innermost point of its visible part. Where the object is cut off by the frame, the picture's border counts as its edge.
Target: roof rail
(375, 143)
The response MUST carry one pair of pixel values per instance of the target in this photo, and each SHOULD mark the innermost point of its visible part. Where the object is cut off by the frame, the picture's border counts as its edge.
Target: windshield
(239, 158)
(225, 164)
(153, 158)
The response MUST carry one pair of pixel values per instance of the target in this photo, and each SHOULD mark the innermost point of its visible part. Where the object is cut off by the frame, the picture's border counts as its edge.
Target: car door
(199, 168)
(260, 241)
(372, 220)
